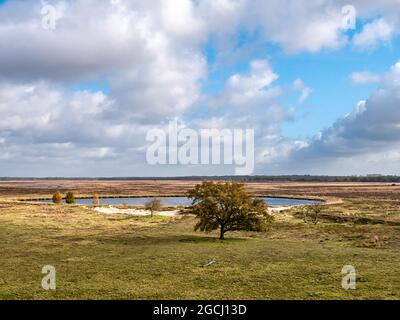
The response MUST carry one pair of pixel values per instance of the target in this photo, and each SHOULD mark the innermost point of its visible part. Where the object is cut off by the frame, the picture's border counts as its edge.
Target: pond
(182, 201)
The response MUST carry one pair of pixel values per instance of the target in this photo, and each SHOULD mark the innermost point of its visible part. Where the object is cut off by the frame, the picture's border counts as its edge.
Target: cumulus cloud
(129, 35)
(392, 78)
(298, 25)
(372, 34)
(40, 114)
(85, 43)
(248, 100)
(151, 55)
(249, 90)
(152, 63)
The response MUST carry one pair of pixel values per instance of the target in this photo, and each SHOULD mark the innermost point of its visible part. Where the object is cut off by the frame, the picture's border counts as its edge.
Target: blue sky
(320, 98)
(326, 72)
(334, 95)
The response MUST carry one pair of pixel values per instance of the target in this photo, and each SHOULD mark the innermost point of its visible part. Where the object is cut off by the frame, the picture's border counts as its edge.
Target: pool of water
(182, 201)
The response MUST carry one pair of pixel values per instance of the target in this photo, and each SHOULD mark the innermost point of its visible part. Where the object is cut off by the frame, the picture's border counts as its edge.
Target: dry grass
(123, 257)
(40, 188)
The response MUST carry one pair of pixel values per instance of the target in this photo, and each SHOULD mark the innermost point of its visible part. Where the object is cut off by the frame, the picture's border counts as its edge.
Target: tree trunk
(222, 233)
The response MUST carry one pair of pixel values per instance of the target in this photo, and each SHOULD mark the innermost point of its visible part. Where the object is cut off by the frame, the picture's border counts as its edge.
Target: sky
(83, 82)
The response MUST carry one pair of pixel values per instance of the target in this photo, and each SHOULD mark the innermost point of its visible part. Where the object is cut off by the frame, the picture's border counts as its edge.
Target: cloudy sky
(78, 99)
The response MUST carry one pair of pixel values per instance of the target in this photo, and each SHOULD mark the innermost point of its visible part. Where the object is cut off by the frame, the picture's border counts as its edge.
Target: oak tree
(229, 207)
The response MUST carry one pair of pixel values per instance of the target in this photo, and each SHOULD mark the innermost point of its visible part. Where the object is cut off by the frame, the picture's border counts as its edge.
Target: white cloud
(364, 77)
(180, 18)
(98, 153)
(298, 84)
(126, 37)
(298, 25)
(151, 57)
(249, 90)
(42, 113)
(392, 78)
(372, 34)
(43, 128)
(148, 51)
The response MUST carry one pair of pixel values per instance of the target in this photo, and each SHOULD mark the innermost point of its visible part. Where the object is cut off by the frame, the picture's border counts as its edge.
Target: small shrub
(153, 205)
(96, 200)
(70, 198)
(312, 213)
(57, 198)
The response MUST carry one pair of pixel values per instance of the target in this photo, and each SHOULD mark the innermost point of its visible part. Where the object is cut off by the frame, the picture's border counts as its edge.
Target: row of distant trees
(300, 178)
(70, 198)
(151, 205)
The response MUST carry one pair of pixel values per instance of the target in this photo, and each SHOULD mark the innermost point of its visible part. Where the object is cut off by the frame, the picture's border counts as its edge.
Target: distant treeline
(283, 178)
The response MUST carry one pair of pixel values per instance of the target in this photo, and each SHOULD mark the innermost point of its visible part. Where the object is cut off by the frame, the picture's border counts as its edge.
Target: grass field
(123, 257)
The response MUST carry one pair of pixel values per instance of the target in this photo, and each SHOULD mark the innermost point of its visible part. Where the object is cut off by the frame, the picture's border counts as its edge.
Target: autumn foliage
(228, 207)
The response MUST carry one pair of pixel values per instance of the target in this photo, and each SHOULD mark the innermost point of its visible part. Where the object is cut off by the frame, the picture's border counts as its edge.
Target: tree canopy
(70, 198)
(229, 207)
(57, 198)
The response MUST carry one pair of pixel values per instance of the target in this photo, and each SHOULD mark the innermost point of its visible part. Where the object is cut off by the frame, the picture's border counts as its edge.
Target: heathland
(126, 257)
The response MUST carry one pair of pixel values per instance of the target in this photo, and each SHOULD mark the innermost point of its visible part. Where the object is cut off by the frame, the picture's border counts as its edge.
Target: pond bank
(170, 213)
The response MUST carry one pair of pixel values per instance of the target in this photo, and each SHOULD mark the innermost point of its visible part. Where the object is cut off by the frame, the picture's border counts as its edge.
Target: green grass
(122, 257)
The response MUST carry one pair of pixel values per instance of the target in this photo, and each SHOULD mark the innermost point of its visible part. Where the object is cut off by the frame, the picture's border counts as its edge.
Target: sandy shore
(142, 212)
(135, 212)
